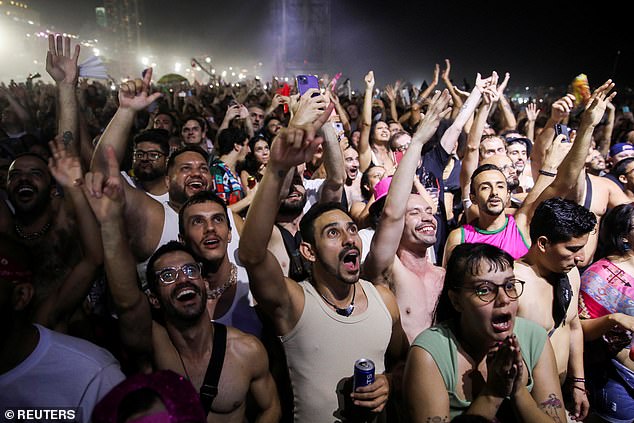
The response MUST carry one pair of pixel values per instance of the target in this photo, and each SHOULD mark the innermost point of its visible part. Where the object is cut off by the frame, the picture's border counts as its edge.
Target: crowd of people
(228, 255)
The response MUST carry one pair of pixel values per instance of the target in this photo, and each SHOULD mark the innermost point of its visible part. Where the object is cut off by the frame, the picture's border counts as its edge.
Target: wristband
(546, 173)
(577, 379)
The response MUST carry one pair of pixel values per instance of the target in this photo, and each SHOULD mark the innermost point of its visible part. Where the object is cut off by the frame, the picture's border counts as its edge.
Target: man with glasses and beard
(223, 363)
(149, 163)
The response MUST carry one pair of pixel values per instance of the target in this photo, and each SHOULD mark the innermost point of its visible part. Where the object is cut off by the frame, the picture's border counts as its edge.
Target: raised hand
(598, 103)
(59, 63)
(134, 94)
(504, 83)
(297, 144)
(446, 71)
(64, 166)
(434, 80)
(309, 108)
(438, 109)
(490, 92)
(105, 192)
(556, 152)
(390, 93)
(562, 107)
(502, 370)
(369, 80)
(482, 83)
(532, 112)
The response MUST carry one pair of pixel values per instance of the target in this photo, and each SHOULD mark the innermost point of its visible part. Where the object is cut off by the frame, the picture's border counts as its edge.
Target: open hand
(134, 94)
(59, 63)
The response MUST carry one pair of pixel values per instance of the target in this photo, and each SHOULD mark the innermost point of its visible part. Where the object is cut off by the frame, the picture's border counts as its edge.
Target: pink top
(508, 238)
(606, 289)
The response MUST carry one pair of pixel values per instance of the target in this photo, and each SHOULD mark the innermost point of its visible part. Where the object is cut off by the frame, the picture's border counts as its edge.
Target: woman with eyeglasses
(480, 358)
(606, 309)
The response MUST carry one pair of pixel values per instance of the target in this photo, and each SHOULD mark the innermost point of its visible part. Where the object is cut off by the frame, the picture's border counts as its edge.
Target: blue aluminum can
(363, 373)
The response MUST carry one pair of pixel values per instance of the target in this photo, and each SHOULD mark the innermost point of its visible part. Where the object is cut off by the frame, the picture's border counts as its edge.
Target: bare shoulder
(389, 299)
(523, 269)
(247, 348)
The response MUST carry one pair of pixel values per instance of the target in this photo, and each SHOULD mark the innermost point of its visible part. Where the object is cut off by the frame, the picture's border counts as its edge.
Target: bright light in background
(208, 59)
(224, 73)
(177, 67)
(145, 61)
(96, 51)
(213, 71)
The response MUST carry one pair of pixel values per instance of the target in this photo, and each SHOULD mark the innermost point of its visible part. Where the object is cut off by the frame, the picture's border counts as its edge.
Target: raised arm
(457, 99)
(281, 298)
(63, 302)
(388, 233)
(432, 85)
(603, 145)
(391, 96)
(505, 107)
(574, 162)
(365, 154)
(531, 116)
(62, 67)
(333, 162)
(130, 303)
(133, 97)
(449, 139)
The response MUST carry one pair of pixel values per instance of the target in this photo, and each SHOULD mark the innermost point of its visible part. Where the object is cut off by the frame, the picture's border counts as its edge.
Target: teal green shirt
(440, 342)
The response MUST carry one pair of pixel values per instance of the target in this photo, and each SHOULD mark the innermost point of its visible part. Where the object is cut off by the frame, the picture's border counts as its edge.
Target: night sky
(538, 43)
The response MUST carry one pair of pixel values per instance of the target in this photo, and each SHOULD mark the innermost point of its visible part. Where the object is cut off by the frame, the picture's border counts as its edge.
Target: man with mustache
(151, 223)
(406, 229)
(223, 363)
(149, 160)
(332, 319)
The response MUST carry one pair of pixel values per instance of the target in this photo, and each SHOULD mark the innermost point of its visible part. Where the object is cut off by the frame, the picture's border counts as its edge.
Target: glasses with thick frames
(168, 275)
(153, 155)
(488, 291)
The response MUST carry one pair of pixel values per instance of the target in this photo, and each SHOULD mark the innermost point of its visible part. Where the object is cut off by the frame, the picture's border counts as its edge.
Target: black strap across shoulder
(588, 200)
(209, 390)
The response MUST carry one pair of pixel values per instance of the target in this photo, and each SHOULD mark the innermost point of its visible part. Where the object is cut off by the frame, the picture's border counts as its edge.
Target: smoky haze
(539, 44)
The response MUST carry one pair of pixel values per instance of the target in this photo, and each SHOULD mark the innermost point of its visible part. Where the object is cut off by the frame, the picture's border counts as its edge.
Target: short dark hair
(616, 225)
(31, 154)
(621, 166)
(185, 149)
(230, 137)
(560, 220)
(157, 136)
(170, 247)
(199, 198)
(484, 168)
(307, 224)
(466, 259)
(202, 122)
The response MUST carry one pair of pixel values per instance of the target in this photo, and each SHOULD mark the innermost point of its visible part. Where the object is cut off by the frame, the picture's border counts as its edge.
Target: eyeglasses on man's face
(168, 275)
(152, 155)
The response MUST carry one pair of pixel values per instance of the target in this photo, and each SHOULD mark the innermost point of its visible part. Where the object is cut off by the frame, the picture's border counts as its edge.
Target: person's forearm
(574, 161)
(68, 116)
(428, 90)
(19, 109)
(240, 206)
(604, 143)
(507, 113)
(115, 135)
(333, 163)
(542, 144)
(393, 111)
(528, 409)
(86, 149)
(449, 139)
(89, 231)
(594, 329)
(262, 213)
(530, 130)
(575, 360)
(366, 113)
(472, 153)
(485, 405)
(120, 265)
(343, 116)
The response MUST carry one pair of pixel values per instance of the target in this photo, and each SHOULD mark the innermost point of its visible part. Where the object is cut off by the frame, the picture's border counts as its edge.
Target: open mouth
(502, 322)
(196, 185)
(211, 242)
(25, 191)
(294, 196)
(351, 260)
(185, 294)
(427, 229)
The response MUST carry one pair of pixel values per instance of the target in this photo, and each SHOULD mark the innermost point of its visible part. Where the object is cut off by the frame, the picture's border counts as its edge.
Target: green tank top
(440, 342)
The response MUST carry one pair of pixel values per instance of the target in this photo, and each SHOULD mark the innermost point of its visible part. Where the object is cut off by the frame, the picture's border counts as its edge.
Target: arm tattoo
(438, 419)
(67, 137)
(551, 407)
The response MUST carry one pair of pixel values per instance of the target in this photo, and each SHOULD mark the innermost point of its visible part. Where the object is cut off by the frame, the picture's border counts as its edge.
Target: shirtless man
(559, 230)
(407, 228)
(187, 343)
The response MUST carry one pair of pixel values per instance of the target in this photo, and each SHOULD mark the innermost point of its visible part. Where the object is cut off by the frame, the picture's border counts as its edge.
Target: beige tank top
(323, 346)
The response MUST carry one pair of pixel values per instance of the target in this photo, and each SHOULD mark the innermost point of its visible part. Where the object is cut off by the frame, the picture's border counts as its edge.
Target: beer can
(251, 181)
(363, 373)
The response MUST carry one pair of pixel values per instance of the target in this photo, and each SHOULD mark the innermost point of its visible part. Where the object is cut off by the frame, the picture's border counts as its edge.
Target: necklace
(347, 311)
(233, 278)
(183, 363)
(33, 235)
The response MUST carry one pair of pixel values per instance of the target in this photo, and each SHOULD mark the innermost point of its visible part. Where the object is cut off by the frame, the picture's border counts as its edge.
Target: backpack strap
(209, 390)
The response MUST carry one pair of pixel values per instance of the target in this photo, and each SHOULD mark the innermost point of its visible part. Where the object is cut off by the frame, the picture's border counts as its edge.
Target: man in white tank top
(329, 322)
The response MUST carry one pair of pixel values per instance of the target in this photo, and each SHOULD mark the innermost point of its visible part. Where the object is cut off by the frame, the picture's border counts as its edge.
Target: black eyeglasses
(488, 291)
(152, 155)
(168, 275)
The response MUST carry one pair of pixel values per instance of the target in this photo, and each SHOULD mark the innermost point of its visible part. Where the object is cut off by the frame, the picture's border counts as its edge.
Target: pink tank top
(508, 238)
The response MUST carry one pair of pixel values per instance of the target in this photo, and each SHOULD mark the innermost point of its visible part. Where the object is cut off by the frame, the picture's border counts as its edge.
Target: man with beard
(149, 159)
(595, 163)
(149, 222)
(223, 363)
(519, 150)
(204, 227)
(559, 230)
(328, 322)
(406, 229)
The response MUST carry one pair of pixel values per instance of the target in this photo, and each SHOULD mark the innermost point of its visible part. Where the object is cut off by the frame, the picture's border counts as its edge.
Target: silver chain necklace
(217, 292)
